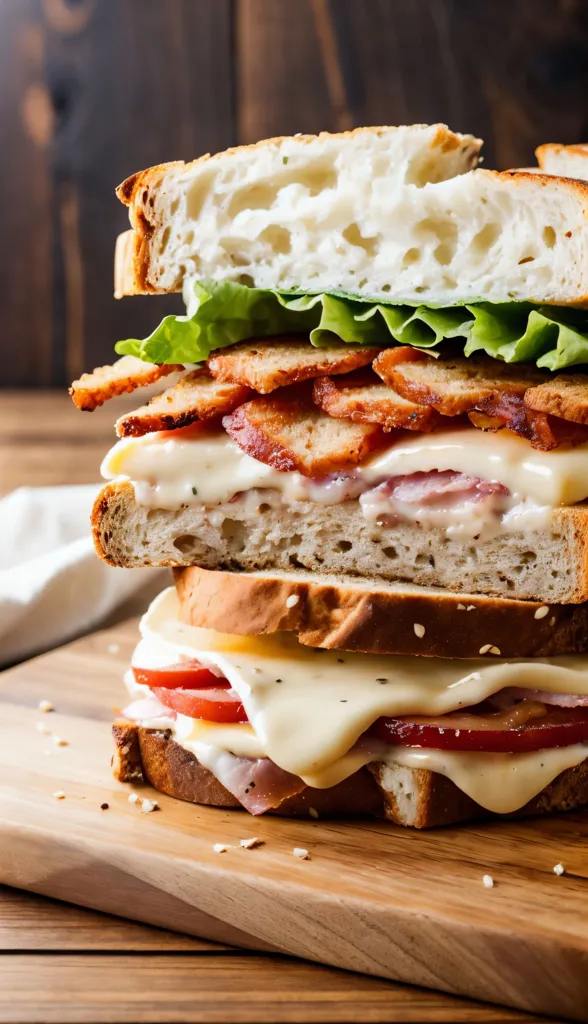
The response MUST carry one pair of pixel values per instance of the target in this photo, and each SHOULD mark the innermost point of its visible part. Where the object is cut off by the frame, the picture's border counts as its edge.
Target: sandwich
(370, 480)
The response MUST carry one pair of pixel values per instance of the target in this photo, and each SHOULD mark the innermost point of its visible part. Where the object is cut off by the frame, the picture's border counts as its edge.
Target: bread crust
(175, 771)
(377, 620)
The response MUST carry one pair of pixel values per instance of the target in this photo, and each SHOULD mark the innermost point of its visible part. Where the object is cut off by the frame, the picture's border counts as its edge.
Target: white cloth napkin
(53, 586)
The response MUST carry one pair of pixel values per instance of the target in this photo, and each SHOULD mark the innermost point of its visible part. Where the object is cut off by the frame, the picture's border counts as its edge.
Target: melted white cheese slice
(168, 472)
(308, 707)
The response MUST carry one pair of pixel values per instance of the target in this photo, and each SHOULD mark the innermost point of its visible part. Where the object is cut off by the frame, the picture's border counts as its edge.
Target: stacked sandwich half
(370, 478)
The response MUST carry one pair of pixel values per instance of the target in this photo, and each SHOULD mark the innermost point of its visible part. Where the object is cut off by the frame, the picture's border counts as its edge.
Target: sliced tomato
(219, 704)
(189, 675)
(558, 727)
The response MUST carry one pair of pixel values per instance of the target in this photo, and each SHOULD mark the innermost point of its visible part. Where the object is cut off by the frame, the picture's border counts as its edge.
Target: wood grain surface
(61, 963)
(373, 898)
(92, 90)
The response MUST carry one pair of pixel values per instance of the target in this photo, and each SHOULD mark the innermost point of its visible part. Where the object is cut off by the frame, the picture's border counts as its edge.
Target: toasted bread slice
(197, 396)
(105, 382)
(453, 386)
(288, 432)
(413, 797)
(565, 396)
(363, 398)
(377, 618)
(197, 208)
(271, 363)
(548, 565)
(239, 214)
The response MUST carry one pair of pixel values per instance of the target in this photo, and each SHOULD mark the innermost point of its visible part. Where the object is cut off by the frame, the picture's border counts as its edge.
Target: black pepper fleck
(103, 807)
(382, 680)
(194, 490)
(279, 680)
(341, 661)
(342, 702)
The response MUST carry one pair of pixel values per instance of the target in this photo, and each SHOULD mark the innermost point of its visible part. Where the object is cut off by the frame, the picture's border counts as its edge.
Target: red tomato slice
(559, 727)
(189, 675)
(214, 705)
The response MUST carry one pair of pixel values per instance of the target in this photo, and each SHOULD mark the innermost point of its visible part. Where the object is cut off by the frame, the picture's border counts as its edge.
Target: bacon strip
(105, 382)
(197, 396)
(363, 398)
(565, 396)
(272, 363)
(288, 432)
(543, 431)
(453, 386)
(493, 394)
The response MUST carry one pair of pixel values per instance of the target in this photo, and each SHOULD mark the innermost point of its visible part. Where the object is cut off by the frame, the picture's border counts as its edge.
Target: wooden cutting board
(373, 898)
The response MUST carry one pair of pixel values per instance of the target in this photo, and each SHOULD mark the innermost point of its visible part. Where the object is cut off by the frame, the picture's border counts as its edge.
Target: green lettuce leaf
(223, 313)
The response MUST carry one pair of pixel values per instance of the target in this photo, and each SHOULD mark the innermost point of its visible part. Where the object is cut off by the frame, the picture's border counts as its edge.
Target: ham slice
(435, 487)
(448, 491)
(257, 783)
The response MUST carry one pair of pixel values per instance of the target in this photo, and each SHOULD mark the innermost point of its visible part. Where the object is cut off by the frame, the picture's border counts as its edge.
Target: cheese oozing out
(168, 472)
(307, 708)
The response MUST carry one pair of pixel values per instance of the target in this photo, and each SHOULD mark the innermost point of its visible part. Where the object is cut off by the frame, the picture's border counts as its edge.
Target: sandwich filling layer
(283, 716)
(465, 481)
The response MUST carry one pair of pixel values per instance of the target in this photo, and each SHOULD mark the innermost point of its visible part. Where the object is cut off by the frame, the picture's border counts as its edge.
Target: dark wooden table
(60, 963)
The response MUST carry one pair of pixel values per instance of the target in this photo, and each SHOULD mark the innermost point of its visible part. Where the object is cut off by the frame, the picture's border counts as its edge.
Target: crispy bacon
(543, 431)
(453, 386)
(493, 394)
(105, 382)
(273, 363)
(566, 396)
(363, 398)
(288, 432)
(197, 396)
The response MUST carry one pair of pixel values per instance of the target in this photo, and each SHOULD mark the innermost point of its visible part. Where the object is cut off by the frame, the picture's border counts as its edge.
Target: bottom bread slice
(406, 796)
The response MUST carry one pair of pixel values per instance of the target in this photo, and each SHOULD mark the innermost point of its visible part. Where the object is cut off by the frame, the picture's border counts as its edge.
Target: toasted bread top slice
(323, 214)
(271, 363)
(288, 432)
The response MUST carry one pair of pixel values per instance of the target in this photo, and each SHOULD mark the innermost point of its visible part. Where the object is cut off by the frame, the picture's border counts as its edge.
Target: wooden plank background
(92, 90)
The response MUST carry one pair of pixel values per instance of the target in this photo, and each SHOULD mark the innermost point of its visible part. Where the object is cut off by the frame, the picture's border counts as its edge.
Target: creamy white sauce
(170, 472)
(309, 722)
